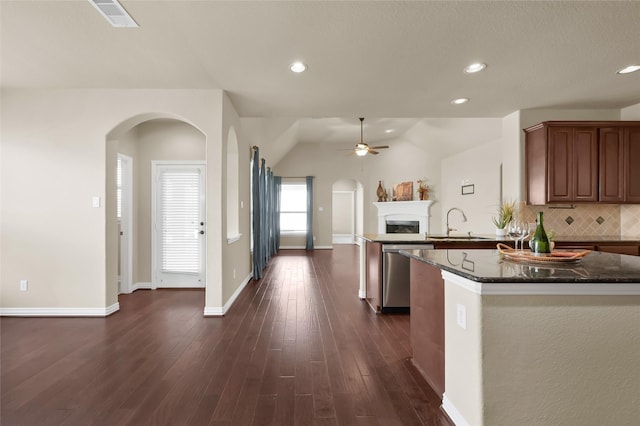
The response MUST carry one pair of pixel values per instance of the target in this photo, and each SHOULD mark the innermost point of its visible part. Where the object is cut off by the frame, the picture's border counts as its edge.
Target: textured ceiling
(374, 59)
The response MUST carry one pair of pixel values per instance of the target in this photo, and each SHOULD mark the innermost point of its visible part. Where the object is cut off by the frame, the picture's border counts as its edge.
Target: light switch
(320, 209)
(462, 316)
(95, 202)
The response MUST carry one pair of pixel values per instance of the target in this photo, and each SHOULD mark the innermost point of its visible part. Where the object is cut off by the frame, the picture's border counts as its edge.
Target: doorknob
(201, 232)
(201, 223)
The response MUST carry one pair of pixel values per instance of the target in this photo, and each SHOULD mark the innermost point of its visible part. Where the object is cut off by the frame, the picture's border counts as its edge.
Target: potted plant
(505, 214)
(423, 190)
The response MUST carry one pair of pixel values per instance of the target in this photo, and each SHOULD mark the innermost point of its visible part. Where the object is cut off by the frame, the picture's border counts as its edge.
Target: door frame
(155, 164)
(126, 225)
(345, 238)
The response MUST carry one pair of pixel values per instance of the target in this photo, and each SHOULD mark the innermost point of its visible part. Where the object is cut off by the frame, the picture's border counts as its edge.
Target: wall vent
(114, 13)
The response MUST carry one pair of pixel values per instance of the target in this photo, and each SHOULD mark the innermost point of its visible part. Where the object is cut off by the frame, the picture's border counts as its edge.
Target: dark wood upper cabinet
(589, 162)
(612, 165)
(632, 164)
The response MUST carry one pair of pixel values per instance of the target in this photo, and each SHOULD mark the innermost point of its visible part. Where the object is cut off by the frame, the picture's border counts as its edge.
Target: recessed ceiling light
(389, 131)
(298, 67)
(460, 101)
(630, 68)
(473, 68)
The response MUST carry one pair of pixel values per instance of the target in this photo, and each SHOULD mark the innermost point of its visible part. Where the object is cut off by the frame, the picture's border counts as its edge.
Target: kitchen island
(371, 247)
(529, 344)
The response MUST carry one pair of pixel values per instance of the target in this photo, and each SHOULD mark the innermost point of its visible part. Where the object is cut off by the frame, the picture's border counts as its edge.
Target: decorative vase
(380, 192)
(501, 232)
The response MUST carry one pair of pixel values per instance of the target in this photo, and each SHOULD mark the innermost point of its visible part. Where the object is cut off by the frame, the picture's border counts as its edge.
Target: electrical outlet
(24, 285)
(461, 317)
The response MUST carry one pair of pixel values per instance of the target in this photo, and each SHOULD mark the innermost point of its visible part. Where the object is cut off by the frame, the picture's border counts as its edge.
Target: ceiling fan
(362, 148)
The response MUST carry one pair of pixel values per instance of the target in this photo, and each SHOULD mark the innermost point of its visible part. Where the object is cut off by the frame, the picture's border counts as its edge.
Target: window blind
(179, 216)
(119, 188)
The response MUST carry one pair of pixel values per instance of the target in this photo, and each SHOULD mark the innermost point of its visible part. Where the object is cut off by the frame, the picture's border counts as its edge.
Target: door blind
(179, 216)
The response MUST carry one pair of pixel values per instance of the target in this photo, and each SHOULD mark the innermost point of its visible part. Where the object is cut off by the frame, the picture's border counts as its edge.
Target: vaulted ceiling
(394, 61)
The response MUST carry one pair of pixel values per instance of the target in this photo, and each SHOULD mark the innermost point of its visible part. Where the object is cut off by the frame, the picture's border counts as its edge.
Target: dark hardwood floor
(297, 348)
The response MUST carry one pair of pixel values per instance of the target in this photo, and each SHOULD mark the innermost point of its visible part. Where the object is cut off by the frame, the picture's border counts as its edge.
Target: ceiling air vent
(114, 13)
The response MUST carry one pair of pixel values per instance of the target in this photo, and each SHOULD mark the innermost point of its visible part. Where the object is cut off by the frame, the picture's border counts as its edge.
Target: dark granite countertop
(421, 238)
(489, 266)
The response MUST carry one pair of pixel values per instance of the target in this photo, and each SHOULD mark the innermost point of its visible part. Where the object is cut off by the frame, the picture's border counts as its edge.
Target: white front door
(179, 227)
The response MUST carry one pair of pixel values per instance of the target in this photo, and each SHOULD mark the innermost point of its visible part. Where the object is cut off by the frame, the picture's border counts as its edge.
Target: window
(119, 188)
(180, 210)
(293, 207)
(233, 214)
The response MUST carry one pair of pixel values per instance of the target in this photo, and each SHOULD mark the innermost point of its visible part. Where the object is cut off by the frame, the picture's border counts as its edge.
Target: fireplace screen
(403, 227)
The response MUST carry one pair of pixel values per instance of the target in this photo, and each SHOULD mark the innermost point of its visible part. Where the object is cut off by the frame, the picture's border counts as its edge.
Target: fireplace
(404, 211)
(403, 226)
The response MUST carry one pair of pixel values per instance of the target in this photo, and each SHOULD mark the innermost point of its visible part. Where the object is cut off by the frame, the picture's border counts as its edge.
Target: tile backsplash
(589, 219)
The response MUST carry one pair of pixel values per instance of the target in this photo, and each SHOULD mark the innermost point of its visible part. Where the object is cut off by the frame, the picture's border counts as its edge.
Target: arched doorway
(347, 211)
(149, 141)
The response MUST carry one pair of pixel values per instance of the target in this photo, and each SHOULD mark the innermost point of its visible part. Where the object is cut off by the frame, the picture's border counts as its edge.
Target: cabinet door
(612, 168)
(573, 164)
(632, 163)
(585, 164)
(560, 151)
(632, 249)
(373, 256)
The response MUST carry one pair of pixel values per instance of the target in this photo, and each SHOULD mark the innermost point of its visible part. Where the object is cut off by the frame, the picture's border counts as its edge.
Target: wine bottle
(540, 243)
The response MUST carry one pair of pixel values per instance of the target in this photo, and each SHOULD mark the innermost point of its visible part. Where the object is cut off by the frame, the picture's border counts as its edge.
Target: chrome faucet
(464, 219)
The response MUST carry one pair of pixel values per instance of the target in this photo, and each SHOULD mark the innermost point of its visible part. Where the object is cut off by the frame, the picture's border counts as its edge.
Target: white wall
(402, 162)
(480, 166)
(54, 157)
(236, 265)
(630, 113)
(155, 140)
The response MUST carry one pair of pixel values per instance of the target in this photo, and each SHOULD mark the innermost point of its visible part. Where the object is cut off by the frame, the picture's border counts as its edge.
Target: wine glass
(517, 231)
(530, 229)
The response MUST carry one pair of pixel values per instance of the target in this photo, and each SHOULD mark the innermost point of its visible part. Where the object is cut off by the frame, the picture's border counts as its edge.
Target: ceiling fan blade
(380, 147)
(371, 151)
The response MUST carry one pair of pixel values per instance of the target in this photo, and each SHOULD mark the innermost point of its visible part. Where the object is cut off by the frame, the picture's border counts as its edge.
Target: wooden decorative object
(403, 191)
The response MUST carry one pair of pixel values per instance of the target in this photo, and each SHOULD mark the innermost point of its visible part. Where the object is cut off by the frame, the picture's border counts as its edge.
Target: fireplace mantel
(404, 210)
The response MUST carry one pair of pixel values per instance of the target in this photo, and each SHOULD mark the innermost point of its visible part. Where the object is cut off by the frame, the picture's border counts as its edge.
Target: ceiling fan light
(361, 152)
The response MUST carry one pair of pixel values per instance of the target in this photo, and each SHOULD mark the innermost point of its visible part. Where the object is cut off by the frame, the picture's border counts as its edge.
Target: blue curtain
(264, 230)
(255, 195)
(309, 245)
(265, 191)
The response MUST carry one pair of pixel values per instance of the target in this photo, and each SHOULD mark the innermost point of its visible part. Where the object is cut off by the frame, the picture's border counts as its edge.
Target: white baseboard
(304, 247)
(342, 239)
(456, 417)
(216, 311)
(141, 286)
(60, 312)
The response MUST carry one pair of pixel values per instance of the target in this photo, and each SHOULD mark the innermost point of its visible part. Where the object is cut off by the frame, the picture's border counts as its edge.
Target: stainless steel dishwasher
(396, 290)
